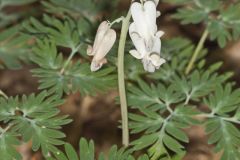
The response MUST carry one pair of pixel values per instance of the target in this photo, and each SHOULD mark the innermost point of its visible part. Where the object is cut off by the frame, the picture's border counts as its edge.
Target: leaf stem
(197, 51)
(3, 131)
(121, 79)
(3, 94)
(73, 52)
(233, 120)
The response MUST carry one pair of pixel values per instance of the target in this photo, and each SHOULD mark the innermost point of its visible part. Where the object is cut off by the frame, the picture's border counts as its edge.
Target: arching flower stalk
(144, 34)
(104, 41)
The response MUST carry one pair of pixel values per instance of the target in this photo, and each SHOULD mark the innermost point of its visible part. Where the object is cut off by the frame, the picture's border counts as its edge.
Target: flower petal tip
(95, 66)
(90, 50)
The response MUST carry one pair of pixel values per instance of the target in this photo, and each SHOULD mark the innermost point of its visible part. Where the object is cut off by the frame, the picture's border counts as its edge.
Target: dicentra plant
(162, 83)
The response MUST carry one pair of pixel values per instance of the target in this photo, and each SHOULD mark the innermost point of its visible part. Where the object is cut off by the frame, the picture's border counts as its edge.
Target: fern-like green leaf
(13, 48)
(221, 124)
(33, 118)
(8, 142)
(87, 152)
(62, 33)
(76, 77)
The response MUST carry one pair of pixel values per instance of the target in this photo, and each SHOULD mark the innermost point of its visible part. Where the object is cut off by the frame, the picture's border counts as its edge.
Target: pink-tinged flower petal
(102, 29)
(104, 41)
(96, 65)
(105, 45)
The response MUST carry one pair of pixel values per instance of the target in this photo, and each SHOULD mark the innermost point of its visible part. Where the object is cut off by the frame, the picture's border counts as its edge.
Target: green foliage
(7, 142)
(87, 152)
(161, 132)
(221, 125)
(156, 97)
(61, 76)
(221, 18)
(9, 18)
(76, 8)
(164, 105)
(4, 3)
(177, 52)
(64, 33)
(32, 118)
(13, 48)
(75, 77)
(224, 100)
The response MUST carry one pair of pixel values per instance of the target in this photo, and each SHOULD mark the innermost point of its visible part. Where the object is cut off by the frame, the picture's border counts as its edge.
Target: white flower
(145, 37)
(156, 2)
(104, 40)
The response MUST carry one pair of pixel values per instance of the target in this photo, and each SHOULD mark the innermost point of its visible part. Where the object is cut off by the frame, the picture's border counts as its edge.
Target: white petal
(106, 44)
(148, 66)
(156, 45)
(158, 14)
(159, 34)
(90, 50)
(135, 54)
(156, 2)
(150, 15)
(156, 60)
(102, 30)
(138, 41)
(154, 56)
(139, 19)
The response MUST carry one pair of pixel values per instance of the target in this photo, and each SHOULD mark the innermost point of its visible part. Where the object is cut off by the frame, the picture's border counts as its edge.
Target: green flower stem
(121, 79)
(197, 51)
(3, 94)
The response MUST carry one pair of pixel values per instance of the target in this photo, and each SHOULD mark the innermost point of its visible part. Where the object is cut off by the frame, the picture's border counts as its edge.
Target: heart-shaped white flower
(145, 37)
(104, 41)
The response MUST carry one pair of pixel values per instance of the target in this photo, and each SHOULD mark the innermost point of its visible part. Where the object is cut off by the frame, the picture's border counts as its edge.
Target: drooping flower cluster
(144, 34)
